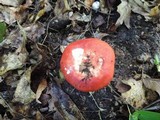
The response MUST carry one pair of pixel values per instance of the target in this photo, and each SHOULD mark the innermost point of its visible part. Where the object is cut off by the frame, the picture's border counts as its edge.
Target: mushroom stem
(100, 109)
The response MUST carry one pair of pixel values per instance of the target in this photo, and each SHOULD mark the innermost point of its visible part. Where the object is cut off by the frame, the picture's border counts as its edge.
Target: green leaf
(144, 115)
(157, 61)
(134, 116)
(3, 28)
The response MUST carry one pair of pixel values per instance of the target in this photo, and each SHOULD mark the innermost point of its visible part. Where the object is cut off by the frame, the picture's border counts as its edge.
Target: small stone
(144, 57)
(96, 5)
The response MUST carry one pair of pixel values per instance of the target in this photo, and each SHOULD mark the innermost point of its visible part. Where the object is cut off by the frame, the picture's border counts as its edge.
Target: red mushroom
(88, 64)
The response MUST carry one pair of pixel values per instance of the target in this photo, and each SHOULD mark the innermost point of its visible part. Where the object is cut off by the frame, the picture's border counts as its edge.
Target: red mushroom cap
(88, 64)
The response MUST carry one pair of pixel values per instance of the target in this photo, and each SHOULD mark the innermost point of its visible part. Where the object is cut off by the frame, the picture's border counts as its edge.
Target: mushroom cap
(88, 64)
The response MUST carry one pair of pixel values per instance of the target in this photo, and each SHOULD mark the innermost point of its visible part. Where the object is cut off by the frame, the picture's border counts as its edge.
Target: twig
(101, 109)
(108, 18)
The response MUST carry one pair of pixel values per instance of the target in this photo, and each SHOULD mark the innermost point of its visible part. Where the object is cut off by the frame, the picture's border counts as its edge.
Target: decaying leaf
(34, 31)
(7, 14)
(136, 95)
(13, 60)
(18, 110)
(10, 15)
(153, 84)
(11, 78)
(41, 87)
(124, 9)
(23, 92)
(98, 21)
(62, 105)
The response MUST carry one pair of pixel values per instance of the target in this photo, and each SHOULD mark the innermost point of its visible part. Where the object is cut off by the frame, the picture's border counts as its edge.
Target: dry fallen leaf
(144, 4)
(136, 95)
(46, 7)
(124, 9)
(16, 42)
(7, 14)
(153, 84)
(80, 17)
(41, 87)
(23, 92)
(150, 10)
(3, 102)
(88, 4)
(63, 10)
(155, 12)
(13, 60)
(14, 3)
(140, 7)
